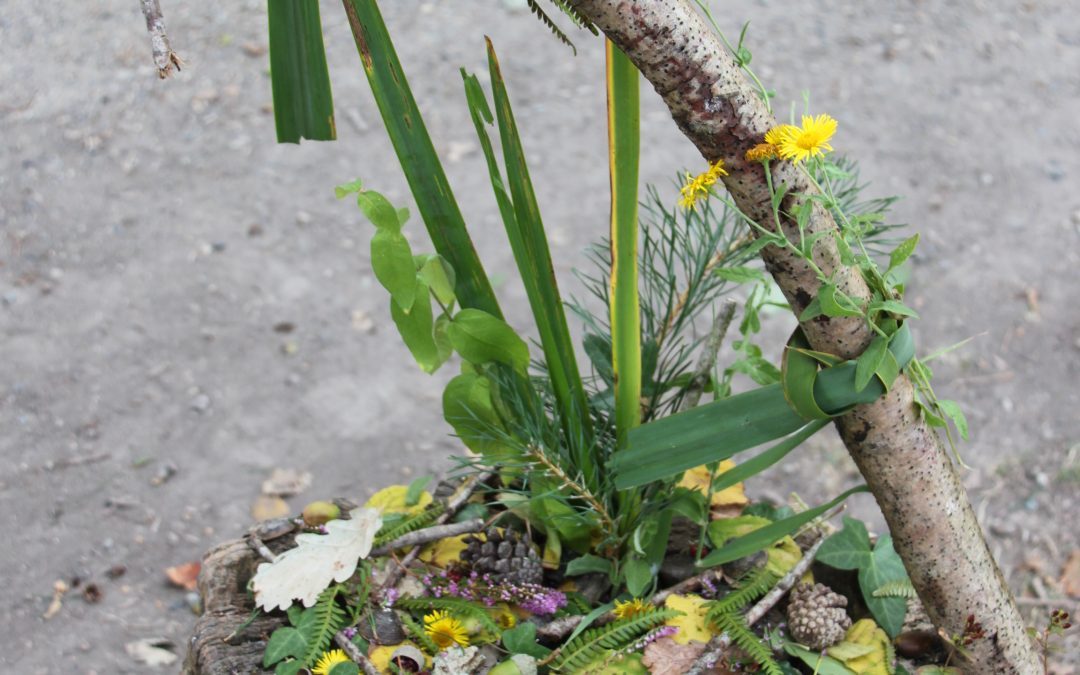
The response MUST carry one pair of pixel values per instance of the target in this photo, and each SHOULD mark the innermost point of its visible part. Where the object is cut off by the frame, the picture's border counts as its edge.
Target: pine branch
(537, 11)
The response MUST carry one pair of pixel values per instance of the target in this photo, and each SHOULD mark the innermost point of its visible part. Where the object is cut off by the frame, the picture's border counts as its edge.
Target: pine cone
(505, 556)
(816, 616)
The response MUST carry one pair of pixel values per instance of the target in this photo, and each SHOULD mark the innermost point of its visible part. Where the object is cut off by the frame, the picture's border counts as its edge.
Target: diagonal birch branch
(901, 458)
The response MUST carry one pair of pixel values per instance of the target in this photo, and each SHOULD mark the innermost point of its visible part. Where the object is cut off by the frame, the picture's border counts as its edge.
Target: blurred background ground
(184, 306)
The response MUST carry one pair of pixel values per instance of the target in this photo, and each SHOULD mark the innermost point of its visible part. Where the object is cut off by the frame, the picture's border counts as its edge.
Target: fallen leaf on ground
(185, 576)
(268, 508)
(153, 652)
(667, 657)
(286, 482)
(59, 588)
(692, 623)
(303, 572)
(1070, 575)
(698, 479)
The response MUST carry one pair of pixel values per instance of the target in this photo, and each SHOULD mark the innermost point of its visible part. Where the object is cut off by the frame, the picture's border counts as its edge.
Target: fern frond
(417, 633)
(901, 588)
(411, 524)
(534, 6)
(754, 585)
(616, 635)
(329, 618)
(452, 605)
(735, 626)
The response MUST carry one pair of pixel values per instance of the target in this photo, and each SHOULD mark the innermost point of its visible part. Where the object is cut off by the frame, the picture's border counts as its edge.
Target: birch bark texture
(902, 460)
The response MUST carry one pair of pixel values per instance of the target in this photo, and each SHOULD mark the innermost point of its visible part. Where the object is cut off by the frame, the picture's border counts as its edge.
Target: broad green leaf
(441, 334)
(639, 576)
(392, 262)
(847, 256)
(952, 410)
(902, 252)
(739, 275)
(759, 539)
(439, 276)
(303, 102)
(598, 350)
(812, 311)
(482, 338)
(284, 642)
(884, 566)
(586, 564)
(521, 639)
(869, 361)
(345, 668)
(424, 172)
(417, 329)
(350, 188)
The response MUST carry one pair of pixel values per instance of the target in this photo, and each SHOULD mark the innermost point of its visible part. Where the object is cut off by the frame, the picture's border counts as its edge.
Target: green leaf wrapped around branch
(720, 429)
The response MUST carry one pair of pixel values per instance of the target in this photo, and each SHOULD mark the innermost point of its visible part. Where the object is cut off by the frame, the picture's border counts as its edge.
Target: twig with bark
(428, 535)
(164, 57)
(902, 459)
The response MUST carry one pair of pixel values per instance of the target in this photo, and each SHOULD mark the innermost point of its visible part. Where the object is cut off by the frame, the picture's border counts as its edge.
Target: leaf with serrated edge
(318, 560)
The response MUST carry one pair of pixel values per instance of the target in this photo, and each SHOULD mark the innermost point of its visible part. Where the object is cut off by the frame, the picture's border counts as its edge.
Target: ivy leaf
(884, 566)
(848, 549)
(345, 668)
(289, 667)
(952, 410)
(392, 262)
(903, 252)
(482, 338)
(284, 642)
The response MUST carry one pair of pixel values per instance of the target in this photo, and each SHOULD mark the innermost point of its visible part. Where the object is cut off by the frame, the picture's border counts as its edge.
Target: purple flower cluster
(653, 636)
(532, 598)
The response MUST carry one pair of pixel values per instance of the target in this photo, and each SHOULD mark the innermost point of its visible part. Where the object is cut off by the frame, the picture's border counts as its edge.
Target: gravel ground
(179, 293)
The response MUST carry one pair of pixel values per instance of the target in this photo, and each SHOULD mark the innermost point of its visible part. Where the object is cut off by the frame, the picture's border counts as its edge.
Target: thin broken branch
(164, 57)
(428, 535)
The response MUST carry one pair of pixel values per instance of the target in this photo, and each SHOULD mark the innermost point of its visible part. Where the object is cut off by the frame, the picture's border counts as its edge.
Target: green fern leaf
(735, 627)
(329, 618)
(590, 645)
(901, 588)
(416, 632)
(411, 524)
(754, 585)
(579, 19)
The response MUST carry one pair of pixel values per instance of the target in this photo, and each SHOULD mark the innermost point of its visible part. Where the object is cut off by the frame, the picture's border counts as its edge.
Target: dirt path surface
(178, 293)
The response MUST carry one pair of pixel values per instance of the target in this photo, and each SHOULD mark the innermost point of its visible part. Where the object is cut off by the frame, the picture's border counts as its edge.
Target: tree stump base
(221, 644)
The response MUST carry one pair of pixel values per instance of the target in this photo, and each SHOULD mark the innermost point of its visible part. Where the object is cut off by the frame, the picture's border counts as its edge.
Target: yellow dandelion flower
(697, 187)
(444, 630)
(776, 135)
(503, 617)
(328, 660)
(761, 152)
(811, 139)
(631, 608)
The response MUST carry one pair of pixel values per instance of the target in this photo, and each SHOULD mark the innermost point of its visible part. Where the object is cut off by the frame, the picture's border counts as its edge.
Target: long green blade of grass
(303, 104)
(624, 145)
(421, 165)
(525, 230)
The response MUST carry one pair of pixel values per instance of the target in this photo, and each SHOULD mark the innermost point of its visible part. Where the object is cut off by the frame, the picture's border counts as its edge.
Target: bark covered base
(219, 646)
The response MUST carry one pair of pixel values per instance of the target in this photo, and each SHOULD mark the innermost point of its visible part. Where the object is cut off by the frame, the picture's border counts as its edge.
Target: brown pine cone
(504, 556)
(816, 616)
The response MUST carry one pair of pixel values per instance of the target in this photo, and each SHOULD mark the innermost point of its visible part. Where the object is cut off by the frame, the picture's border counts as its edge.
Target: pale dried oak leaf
(302, 573)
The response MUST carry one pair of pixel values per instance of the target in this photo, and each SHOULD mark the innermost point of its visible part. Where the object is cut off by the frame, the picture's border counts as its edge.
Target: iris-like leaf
(303, 104)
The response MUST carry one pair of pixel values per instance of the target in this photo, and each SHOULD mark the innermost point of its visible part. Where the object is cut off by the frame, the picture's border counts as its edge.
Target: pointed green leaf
(869, 361)
(835, 303)
(417, 329)
(439, 276)
(392, 262)
(952, 410)
(303, 103)
(739, 275)
(893, 307)
(587, 564)
(902, 252)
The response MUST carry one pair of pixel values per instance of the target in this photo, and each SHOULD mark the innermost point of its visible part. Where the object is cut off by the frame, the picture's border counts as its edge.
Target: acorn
(320, 513)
